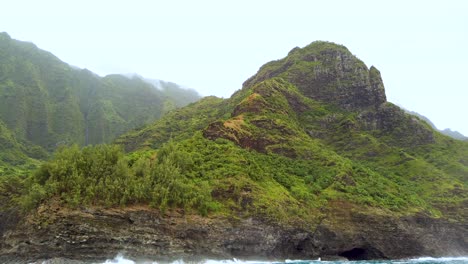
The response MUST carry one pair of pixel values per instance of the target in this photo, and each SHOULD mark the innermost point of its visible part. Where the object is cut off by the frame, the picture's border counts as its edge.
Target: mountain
(454, 134)
(307, 160)
(447, 131)
(179, 95)
(48, 103)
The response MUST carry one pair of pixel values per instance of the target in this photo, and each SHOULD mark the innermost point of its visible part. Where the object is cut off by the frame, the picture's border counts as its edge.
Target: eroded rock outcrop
(143, 233)
(329, 73)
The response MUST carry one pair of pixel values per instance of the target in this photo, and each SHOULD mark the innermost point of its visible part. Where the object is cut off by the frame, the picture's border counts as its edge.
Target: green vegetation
(178, 125)
(280, 149)
(17, 156)
(48, 103)
(328, 73)
(218, 177)
(103, 176)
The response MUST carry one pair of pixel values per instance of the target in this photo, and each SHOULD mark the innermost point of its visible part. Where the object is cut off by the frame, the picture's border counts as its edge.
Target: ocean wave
(442, 259)
(121, 259)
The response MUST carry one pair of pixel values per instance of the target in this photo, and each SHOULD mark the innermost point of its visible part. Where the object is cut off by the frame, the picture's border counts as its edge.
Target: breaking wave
(120, 259)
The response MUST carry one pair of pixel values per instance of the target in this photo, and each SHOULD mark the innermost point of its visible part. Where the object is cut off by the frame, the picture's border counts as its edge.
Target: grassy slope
(403, 167)
(179, 124)
(272, 152)
(293, 174)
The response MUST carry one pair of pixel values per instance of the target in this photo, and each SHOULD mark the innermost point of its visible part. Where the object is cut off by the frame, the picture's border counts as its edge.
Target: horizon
(419, 47)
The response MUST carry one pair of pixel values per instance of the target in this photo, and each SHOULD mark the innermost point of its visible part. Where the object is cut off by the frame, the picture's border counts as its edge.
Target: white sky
(420, 47)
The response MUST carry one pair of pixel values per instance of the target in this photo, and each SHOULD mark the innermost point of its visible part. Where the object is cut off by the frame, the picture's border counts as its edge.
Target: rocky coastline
(97, 234)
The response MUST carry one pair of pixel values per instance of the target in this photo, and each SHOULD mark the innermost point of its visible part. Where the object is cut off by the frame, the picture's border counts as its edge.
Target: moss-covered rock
(329, 73)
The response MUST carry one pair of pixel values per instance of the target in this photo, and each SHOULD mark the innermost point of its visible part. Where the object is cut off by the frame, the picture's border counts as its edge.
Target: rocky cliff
(143, 233)
(329, 73)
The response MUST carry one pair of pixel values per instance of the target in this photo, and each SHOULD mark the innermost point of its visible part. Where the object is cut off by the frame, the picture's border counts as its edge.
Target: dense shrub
(102, 175)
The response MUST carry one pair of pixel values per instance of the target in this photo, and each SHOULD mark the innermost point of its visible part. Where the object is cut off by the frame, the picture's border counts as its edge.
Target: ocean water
(425, 260)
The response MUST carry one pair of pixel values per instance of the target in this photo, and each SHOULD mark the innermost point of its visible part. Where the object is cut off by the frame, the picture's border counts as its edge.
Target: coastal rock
(144, 233)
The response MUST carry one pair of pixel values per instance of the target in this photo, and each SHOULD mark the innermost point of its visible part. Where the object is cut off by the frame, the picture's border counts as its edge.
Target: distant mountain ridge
(454, 134)
(177, 94)
(47, 103)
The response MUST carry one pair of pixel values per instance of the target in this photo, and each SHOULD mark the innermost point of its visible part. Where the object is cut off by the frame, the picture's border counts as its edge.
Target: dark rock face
(8, 220)
(328, 73)
(331, 74)
(407, 130)
(95, 235)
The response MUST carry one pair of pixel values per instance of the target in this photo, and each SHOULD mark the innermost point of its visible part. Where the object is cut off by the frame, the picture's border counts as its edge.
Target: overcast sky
(420, 47)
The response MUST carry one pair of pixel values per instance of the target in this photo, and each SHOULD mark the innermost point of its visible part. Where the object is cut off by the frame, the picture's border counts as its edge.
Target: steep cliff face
(328, 73)
(320, 75)
(389, 119)
(142, 233)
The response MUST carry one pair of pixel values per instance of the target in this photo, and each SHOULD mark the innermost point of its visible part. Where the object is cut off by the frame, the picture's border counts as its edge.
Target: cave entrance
(356, 254)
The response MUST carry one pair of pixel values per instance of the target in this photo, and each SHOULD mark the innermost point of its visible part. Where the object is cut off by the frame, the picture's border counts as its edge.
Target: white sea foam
(233, 261)
(120, 259)
(443, 259)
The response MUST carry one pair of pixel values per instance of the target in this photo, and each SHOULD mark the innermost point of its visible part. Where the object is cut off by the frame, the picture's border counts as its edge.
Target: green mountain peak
(330, 73)
(322, 106)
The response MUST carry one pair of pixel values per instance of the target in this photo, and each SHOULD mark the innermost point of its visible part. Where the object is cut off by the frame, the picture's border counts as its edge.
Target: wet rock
(342, 234)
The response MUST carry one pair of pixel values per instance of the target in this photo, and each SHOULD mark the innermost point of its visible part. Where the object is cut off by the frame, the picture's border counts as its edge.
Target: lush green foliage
(178, 125)
(242, 182)
(212, 176)
(270, 151)
(102, 175)
(286, 149)
(17, 156)
(48, 103)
